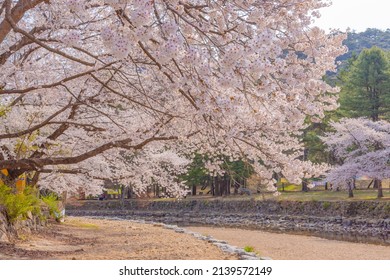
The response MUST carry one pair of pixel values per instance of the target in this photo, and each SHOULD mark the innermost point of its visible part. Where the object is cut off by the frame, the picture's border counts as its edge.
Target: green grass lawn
(294, 193)
(333, 195)
(311, 195)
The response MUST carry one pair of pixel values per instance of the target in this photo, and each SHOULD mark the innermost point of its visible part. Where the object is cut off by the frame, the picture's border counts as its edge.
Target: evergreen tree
(366, 89)
(366, 86)
(235, 175)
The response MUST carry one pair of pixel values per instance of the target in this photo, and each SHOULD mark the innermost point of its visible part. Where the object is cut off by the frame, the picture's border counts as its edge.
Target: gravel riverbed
(280, 246)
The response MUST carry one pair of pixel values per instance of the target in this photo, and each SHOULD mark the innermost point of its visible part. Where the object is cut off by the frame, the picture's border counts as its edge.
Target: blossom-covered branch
(147, 77)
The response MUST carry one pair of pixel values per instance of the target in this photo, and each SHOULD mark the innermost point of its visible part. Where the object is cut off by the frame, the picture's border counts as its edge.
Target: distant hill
(356, 42)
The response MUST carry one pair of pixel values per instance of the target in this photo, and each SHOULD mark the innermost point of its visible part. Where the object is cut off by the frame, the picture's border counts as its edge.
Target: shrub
(387, 208)
(51, 201)
(326, 205)
(19, 205)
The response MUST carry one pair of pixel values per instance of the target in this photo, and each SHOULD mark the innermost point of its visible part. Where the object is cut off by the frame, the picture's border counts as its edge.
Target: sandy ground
(296, 247)
(83, 239)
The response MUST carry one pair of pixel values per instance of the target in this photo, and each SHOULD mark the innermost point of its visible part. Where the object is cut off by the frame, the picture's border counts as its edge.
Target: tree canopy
(366, 86)
(363, 147)
(113, 89)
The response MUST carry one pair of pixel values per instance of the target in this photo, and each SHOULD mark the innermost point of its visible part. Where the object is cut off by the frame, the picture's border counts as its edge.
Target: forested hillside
(356, 42)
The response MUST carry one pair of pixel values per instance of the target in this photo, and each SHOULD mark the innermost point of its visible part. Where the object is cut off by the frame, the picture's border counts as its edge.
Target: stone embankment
(4, 227)
(9, 231)
(360, 221)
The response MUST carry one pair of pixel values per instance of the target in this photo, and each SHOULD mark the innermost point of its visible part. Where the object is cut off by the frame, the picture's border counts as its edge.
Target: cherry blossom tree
(114, 85)
(364, 148)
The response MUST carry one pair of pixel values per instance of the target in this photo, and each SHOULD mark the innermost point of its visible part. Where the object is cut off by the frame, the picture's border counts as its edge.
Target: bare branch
(16, 14)
(35, 127)
(37, 163)
(59, 83)
(37, 41)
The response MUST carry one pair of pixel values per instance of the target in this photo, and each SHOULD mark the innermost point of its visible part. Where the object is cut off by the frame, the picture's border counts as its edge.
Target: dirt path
(296, 247)
(83, 239)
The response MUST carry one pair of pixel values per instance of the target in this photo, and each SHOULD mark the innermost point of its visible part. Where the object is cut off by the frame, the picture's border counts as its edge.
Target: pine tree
(366, 86)
(366, 89)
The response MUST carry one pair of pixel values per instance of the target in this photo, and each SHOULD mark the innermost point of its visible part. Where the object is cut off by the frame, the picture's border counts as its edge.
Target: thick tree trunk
(129, 191)
(375, 184)
(212, 190)
(236, 187)
(222, 186)
(350, 189)
(217, 190)
(226, 185)
(194, 190)
(158, 191)
(378, 185)
(304, 186)
(16, 14)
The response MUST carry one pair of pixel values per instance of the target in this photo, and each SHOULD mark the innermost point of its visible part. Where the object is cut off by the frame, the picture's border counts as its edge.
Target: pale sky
(356, 14)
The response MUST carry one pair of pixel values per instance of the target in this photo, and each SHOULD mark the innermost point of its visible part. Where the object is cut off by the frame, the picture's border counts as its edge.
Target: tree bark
(350, 189)
(33, 164)
(236, 187)
(16, 13)
(225, 185)
(378, 184)
(194, 190)
(217, 187)
(35, 179)
(304, 186)
(212, 189)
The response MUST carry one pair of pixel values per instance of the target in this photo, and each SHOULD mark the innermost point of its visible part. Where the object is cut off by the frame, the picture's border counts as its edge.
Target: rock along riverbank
(358, 221)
